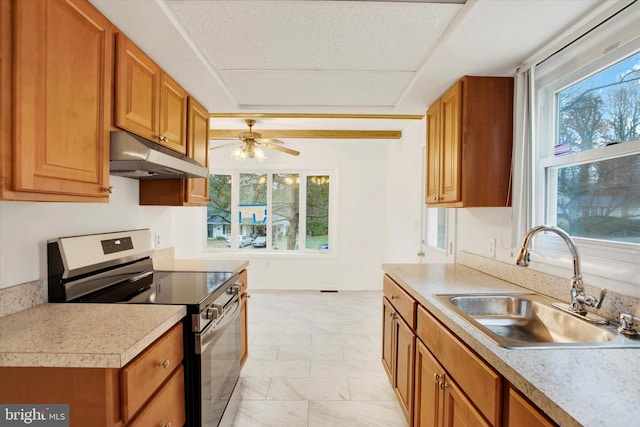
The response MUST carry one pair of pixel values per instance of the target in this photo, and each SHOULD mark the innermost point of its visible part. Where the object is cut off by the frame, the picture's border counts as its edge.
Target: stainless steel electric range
(117, 268)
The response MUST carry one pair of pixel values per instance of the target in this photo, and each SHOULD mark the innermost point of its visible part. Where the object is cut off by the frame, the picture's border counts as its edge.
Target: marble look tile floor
(314, 360)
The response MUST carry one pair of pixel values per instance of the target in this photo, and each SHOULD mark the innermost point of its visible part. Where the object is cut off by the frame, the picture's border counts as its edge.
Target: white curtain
(522, 167)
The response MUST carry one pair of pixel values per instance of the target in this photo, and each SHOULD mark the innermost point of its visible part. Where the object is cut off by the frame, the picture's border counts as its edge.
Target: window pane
(599, 200)
(219, 211)
(318, 212)
(600, 110)
(252, 208)
(286, 205)
(437, 227)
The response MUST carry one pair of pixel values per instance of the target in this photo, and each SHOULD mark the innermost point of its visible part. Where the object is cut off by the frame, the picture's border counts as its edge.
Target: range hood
(135, 157)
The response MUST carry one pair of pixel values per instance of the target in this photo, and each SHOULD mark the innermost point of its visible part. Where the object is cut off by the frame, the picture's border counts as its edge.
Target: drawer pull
(166, 425)
(164, 364)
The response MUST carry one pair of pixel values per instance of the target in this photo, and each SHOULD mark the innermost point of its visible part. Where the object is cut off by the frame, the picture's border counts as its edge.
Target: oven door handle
(204, 338)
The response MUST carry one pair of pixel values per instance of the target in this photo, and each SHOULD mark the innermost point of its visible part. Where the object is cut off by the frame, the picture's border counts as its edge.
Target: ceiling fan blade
(279, 148)
(225, 145)
(269, 141)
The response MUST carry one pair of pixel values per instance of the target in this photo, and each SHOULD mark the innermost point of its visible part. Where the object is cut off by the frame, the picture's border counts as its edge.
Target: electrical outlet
(492, 248)
(157, 240)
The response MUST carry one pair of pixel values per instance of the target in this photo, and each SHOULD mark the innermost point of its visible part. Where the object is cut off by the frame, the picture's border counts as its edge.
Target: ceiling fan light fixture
(239, 153)
(259, 154)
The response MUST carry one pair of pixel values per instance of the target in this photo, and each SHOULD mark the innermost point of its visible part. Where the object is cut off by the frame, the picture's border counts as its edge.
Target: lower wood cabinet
(244, 333)
(148, 391)
(437, 379)
(479, 381)
(398, 343)
(519, 411)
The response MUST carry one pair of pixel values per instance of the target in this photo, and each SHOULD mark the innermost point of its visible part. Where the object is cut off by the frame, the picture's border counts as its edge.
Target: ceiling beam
(310, 134)
(316, 116)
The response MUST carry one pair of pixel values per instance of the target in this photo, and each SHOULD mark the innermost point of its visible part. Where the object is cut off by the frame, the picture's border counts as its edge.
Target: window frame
(268, 251)
(609, 260)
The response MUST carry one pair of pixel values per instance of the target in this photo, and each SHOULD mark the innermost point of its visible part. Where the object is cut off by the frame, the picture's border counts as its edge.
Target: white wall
(362, 174)
(25, 227)
(477, 225)
(404, 195)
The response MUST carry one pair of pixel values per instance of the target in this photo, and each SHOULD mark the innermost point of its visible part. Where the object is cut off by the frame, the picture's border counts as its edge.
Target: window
(274, 211)
(591, 166)
(586, 148)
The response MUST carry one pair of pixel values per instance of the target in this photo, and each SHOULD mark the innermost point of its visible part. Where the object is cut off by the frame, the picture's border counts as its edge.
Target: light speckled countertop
(83, 335)
(575, 387)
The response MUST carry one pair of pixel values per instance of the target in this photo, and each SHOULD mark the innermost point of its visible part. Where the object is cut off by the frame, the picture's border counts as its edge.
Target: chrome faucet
(579, 299)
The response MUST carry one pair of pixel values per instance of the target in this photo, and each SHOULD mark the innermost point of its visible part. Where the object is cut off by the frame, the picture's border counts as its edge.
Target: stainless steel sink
(531, 321)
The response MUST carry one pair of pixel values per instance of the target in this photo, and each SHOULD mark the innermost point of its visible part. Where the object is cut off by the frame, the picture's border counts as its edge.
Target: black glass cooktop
(165, 287)
(186, 287)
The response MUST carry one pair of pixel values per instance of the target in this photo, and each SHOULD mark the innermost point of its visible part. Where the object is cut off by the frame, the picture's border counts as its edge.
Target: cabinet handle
(164, 364)
(435, 198)
(443, 385)
(108, 189)
(167, 424)
(394, 297)
(437, 377)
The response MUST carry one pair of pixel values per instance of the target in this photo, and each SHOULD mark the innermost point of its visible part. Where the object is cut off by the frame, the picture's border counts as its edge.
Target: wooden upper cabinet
(56, 127)
(469, 144)
(149, 103)
(434, 143)
(188, 191)
(450, 149)
(197, 191)
(173, 113)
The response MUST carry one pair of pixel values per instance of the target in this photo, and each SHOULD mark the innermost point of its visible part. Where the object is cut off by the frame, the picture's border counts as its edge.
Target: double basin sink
(533, 321)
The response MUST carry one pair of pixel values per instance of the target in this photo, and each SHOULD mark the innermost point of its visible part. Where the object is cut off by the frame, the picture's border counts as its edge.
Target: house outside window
(271, 211)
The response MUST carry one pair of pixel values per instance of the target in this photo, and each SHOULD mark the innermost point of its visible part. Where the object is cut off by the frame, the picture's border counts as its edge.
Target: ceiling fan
(251, 141)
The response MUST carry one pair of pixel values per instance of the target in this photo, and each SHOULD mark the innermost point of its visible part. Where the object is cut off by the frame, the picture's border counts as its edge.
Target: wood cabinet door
(137, 90)
(428, 402)
(388, 314)
(451, 103)
(244, 332)
(173, 115)
(63, 54)
(403, 366)
(434, 143)
(521, 412)
(458, 410)
(197, 192)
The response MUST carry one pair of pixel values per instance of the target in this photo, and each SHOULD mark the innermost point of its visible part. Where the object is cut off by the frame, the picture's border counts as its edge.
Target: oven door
(218, 348)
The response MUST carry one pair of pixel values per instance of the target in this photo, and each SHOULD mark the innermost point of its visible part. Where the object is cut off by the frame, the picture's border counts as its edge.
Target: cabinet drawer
(479, 381)
(142, 377)
(401, 301)
(167, 407)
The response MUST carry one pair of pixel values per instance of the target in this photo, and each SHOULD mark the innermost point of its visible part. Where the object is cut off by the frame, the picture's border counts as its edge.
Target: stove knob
(234, 289)
(211, 313)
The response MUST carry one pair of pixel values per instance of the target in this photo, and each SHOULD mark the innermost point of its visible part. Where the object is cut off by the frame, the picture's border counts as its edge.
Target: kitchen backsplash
(546, 284)
(20, 297)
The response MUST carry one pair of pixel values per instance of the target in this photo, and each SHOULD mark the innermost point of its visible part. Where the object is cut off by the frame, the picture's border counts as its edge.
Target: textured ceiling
(313, 53)
(344, 57)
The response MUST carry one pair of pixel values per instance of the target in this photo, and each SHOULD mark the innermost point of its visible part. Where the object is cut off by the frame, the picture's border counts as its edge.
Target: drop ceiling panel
(313, 35)
(315, 88)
